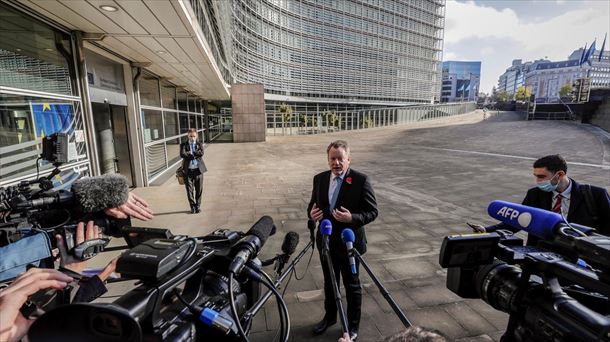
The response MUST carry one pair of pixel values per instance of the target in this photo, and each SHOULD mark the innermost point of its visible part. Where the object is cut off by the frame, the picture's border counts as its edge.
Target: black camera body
(558, 290)
(175, 275)
(26, 211)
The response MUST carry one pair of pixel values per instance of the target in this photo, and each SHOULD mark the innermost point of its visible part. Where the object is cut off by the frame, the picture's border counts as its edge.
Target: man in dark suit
(345, 197)
(193, 167)
(583, 204)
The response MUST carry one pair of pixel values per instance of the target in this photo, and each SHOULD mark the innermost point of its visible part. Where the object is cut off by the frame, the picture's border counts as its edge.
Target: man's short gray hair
(338, 144)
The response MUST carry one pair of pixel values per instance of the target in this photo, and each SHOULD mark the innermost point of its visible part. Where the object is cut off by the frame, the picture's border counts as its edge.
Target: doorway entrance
(112, 139)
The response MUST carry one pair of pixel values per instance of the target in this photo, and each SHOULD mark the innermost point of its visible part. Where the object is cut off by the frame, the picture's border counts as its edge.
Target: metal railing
(220, 127)
(279, 123)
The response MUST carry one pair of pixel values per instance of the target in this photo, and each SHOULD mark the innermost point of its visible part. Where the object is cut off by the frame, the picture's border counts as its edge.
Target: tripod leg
(336, 292)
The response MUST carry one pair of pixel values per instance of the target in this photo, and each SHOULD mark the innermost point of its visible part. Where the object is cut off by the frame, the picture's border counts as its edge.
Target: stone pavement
(429, 180)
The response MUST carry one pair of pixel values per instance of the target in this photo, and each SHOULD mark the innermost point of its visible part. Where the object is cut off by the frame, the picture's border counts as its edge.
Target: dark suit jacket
(578, 212)
(357, 197)
(187, 156)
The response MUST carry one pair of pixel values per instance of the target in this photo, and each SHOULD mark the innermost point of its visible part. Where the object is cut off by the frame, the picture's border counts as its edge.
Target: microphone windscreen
(538, 222)
(326, 228)
(262, 229)
(347, 235)
(311, 224)
(95, 194)
(291, 240)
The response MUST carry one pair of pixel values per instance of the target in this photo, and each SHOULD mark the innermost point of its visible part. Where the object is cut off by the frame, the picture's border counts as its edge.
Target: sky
(497, 31)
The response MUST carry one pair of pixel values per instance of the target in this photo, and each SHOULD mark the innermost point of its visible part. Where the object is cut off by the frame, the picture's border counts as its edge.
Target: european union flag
(50, 118)
(601, 52)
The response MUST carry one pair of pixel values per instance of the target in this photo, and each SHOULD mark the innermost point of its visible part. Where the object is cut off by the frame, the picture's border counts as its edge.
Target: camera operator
(13, 325)
(90, 288)
(583, 204)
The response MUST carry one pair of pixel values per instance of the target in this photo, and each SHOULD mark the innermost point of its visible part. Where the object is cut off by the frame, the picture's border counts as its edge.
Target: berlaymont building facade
(127, 79)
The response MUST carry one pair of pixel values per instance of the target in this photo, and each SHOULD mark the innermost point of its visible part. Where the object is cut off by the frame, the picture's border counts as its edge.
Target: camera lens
(497, 284)
(107, 325)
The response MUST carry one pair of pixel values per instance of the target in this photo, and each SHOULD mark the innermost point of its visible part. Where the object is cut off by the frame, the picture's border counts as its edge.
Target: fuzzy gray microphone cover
(95, 194)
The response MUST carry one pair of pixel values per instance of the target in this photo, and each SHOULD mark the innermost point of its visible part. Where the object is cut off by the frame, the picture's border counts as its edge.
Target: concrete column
(87, 111)
(248, 108)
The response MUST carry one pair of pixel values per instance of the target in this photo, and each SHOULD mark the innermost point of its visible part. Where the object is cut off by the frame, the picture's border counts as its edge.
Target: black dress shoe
(321, 327)
(353, 335)
(192, 210)
(197, 210)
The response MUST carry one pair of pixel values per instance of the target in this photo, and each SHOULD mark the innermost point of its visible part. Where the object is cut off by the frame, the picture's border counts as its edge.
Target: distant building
(514, 77)
(460, 81)
(599, 71)
(544, 80)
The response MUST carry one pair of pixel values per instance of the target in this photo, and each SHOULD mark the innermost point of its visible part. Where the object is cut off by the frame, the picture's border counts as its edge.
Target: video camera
(26, 210)
(189, 289)
(558, 290)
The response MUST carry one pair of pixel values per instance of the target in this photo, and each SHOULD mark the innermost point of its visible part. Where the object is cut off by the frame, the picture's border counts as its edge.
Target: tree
(331, 118)
(286, 111)
(500, 96)
(523, 94)
(566, 90)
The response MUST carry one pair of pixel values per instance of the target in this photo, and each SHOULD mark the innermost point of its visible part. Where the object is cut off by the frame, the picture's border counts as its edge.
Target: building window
(149, 91)
(35, 57)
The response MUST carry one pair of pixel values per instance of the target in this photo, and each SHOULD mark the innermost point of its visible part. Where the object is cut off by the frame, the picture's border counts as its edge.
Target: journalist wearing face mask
(193, 167)
(579, 203)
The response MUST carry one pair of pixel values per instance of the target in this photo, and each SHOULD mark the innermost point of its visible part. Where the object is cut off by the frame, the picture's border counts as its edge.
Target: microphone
(326, 228)
(348, 237)
(538, 222)
(291, 240)
(95, 194)
(311, 224)
(250, 245)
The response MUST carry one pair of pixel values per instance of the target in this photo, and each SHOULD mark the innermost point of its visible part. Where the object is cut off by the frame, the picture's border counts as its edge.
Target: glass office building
(126, 79)
(460, 81)
(372, 52)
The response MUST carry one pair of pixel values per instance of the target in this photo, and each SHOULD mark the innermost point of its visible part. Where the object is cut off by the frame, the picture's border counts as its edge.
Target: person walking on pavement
(193, 166)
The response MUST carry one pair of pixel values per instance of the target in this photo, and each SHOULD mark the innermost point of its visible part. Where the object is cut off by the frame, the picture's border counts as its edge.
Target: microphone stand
(248, 315)
(388, 297)
(333, 280)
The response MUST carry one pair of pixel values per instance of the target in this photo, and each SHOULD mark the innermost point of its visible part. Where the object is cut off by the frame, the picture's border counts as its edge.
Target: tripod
(388, 297)
(333, 280)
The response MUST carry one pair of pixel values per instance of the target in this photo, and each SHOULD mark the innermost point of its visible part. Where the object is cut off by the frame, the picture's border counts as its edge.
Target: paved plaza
(429, 180)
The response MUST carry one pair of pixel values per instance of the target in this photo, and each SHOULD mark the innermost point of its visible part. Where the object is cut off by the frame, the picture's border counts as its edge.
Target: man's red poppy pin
(348, 180)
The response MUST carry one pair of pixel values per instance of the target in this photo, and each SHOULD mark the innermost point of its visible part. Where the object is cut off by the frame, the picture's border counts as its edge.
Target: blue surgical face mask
(548, 185)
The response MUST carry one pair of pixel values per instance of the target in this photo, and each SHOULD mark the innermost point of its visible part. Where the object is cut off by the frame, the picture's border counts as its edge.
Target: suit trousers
(194, 187)
(351, 283)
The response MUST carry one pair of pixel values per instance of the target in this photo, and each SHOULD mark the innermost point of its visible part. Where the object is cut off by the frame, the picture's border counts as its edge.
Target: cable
(192, 308)
(284, 309)
(190, 253)
(293, 272)
(283, 318)
(306, 268)
(38, 167)
(242, 334)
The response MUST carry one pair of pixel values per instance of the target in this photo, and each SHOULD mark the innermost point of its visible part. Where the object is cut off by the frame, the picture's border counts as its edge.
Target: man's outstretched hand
(135, 207)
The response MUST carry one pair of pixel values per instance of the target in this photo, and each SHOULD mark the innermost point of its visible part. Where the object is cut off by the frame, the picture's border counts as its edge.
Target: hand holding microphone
(110, 193)
(135, 207)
